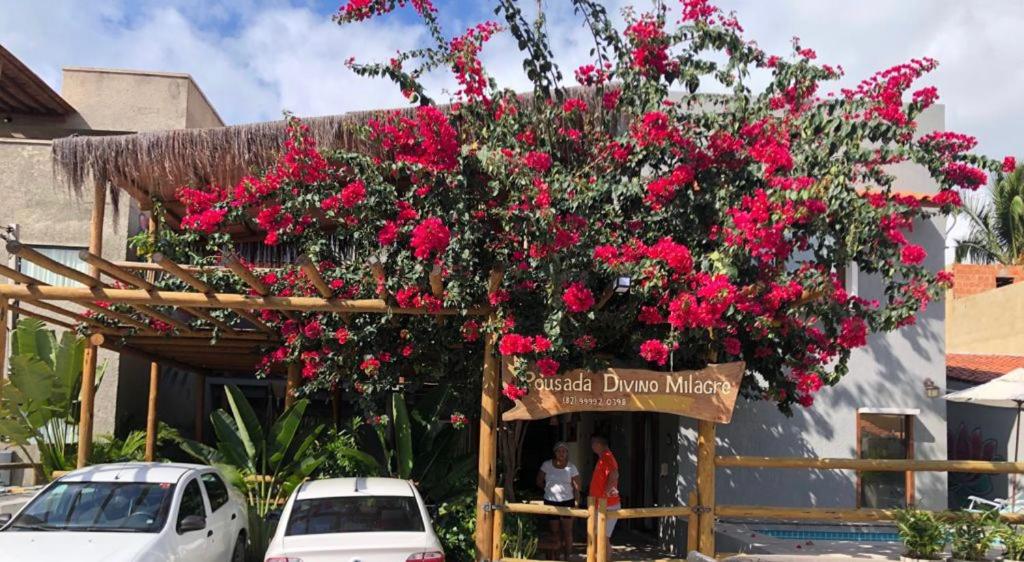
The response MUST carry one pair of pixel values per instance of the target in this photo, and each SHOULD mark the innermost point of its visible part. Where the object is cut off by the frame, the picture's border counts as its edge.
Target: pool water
(830, 535)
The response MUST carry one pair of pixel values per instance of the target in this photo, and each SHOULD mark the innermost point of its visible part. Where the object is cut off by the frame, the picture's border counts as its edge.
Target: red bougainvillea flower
(341, 335)
(513, 392)
(515, 344)
(370, 366)
(912, 254)
(547, 366)
(654, 351)
(353, 194)
(853, 333)
(577, 297)
(1009, 164)
(965, 175)
(430, 238)
(313, 330)
(537, 161)
(808, 383)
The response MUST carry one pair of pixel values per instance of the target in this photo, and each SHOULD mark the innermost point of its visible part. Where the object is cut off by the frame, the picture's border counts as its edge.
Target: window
(360, 514)
(65, 255)
(885, 436)
(215, 490)
(97, 506)
(191, 503)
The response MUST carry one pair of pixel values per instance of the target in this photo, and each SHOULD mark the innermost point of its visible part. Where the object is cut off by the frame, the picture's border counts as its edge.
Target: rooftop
(345, 487)
(133, 472)
(980, 368)
(23, 92)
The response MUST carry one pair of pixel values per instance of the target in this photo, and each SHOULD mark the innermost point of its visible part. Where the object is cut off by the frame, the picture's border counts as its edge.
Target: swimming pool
(857, 536)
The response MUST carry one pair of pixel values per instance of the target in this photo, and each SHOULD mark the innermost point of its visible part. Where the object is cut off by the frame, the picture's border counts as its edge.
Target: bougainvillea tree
(730, 217)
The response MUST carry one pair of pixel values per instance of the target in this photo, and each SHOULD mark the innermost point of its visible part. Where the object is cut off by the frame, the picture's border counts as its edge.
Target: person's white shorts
(610, 526)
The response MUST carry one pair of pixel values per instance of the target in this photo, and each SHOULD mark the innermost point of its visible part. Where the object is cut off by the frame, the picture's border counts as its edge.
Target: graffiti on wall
(972, 445)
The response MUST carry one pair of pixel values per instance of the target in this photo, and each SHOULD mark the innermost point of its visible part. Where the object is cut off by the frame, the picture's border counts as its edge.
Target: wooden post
(602, 530)
(692, 524)
(4, 309)
(591, 529)
(88, 393)
(497, 544)
(200, 405)
(706, 486)
(87, 396)
(294, 381)
(151, 423)
(488, 447)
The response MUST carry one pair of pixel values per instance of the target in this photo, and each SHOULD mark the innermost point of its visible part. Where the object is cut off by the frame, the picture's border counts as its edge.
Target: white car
(355, 519)
(130, 512)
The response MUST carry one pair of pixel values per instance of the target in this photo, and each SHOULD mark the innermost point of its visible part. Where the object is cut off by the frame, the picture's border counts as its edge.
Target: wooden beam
(98, 326)
(692, 524)
(830, 514)
(201, 337)
(874, 465)
(115, 272)
(38, 316)
(219, 300)
(119, 316)
(4, 323)
(497, 546)
(436, 282)
(706, 485)
(18, 277)
(487, 466)
(191, 280)
(293, 384)
(232, 262)
(602, 530)
(311, 272)
(151, 414)
(88, 391)
(27, 253)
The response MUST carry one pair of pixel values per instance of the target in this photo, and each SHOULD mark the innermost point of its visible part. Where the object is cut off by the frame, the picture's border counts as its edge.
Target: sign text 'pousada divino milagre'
(705, 394)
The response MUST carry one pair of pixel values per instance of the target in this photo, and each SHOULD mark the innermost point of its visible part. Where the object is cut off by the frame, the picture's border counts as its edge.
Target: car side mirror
(5, 518)
(192, 523)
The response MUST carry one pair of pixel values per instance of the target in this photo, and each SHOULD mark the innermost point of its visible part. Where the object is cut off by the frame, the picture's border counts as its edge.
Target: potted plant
(973, 535)
(1014, 544)
(923, 535)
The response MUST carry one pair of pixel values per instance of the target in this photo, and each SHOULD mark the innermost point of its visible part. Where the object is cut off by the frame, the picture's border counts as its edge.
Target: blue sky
(256, 58)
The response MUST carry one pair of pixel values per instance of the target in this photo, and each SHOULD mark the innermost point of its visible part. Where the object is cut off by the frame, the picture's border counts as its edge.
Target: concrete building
(40, 214)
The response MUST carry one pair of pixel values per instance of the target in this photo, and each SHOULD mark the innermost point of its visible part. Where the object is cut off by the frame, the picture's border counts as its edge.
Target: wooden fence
(596, 515)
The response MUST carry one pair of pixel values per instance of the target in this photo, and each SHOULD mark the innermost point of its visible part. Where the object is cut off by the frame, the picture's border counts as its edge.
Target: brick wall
(971, 279)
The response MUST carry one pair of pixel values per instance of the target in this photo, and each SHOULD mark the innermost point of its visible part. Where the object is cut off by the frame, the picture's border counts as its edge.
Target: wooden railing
(596, 516)
(871, 465)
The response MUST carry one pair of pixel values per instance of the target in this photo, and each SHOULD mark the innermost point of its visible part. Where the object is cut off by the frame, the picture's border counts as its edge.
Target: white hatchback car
(130, 512)
(347, 519)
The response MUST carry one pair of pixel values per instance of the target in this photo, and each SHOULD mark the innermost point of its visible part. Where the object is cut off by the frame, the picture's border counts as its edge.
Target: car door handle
(234, 516)
(209, 533)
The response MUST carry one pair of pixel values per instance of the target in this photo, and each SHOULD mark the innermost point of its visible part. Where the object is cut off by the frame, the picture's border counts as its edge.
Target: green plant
(996, 223)
(973, 534)
(108, 449)
(415, 445)
(520, 539)
(454, 523)
(923, 535)
(1014, 543)
(39, 403)
(265, 465)
(336, 446)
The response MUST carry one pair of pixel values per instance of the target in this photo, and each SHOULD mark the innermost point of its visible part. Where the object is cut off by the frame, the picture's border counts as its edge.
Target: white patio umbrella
(1006, 391)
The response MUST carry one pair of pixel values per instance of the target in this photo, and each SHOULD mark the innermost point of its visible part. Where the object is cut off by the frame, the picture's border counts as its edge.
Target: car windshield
(359, 514)
(97, 506)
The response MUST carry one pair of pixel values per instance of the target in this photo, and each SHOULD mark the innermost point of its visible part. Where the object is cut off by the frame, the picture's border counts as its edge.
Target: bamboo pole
(219, 300)
(200, 405)
(551, 510)
(17, 276)
(311, 272)
(42, 317)
(706, 486)
(91, 279)
(151, 417)
(487, 469)
(876, 465)
(497, 545)
(602, 530)
(692, 524)
(591, 529)
(4, 311)
(653, 512)
(88, 391)
(294, 382)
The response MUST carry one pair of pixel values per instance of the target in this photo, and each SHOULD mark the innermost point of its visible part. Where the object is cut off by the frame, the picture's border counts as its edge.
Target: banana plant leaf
(403, 436)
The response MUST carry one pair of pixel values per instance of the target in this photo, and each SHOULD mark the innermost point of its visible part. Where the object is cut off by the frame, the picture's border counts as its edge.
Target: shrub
(923, 535)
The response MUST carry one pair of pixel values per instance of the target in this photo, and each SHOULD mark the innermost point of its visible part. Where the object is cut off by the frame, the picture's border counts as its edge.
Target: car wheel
(238, 554)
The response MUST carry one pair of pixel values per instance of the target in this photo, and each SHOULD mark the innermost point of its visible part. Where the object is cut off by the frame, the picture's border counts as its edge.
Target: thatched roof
(150, 166)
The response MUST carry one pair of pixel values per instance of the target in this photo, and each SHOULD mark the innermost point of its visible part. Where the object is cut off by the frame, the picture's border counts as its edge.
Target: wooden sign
(706, 394)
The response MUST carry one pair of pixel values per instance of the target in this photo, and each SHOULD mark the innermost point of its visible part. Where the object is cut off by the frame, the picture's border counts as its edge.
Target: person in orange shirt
(605, 481)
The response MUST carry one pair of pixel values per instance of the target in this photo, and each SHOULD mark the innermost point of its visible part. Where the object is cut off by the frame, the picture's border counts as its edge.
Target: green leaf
(403, 435)
(283, 432)
(250, 432)
(230, 443)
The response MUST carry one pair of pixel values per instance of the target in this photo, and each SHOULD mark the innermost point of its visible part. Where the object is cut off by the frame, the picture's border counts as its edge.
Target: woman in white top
(561, 482)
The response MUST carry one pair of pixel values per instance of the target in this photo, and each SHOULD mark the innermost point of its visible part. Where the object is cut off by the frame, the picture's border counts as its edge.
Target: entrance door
(645, 457)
